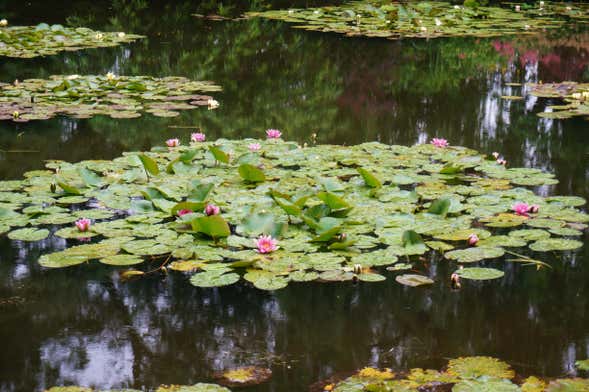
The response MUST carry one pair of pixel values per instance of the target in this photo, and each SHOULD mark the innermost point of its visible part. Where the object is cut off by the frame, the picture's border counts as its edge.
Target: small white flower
(438, 22)
(423, 28)
(585, 94)
(213, 104)
(3, 23)
(73, 77)
(517, 8)
(576, 95)
(110, 76)
(568, 8)
(291, 11)
(527, 27)
(456, 7)
(121, 35)
(99, 36)
(541, 4)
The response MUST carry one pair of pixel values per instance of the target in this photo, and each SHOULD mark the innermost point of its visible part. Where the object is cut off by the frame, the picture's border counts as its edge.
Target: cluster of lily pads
(115, 96)
(43, 39)
(465, 374)
(272, 212)
(393, 20)
(575, 96)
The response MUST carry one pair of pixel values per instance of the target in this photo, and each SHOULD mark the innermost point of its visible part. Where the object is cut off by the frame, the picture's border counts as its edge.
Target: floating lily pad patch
(109, 95)
(427, 19)
(298, 214)
(575, 99)
(249, 375)
(44, 40)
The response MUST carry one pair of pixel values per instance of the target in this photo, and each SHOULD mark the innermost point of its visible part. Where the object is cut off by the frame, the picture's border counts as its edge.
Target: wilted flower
(212, 209)
(534, 208)
(184, 212)
(440, 142)
(110, 76)
(521, 208)
(83, 224)
(273, 134)
(254, 147)
(266, 244)
(3, 23)
(213, 103)
(198, 137)
(473, 239)
(121, 35)
(173, 142)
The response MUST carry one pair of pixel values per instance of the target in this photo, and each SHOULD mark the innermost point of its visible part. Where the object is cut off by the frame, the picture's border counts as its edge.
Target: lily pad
(413, 280)
(479, 273)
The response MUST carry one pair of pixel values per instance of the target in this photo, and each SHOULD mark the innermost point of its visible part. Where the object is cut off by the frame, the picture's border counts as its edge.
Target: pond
(83, 326)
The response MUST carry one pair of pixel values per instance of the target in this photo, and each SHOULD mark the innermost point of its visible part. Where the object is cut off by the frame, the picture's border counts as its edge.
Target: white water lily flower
(110, 76)
(541, 4)
(456, 7)
(99, 36)
(423, 28)
(569, 8)
(3, 23)
(517, 8)
(438, 22)
(213, 104)
(576, 95)
(527, 27)
(73, 77)
(121, 35)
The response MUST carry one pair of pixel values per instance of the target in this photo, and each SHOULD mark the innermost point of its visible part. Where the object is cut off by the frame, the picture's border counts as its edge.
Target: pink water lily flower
(521, 208)
(266, 244)
(173, 142)
(184, 212)
(83, 224)
(254, 147)
(473, 239)
(198, 137)
(212, 209)
(440, 143)
(534, 208)
(273, 134)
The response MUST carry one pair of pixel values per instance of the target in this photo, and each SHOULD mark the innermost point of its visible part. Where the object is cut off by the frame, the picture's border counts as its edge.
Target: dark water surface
(82, 326)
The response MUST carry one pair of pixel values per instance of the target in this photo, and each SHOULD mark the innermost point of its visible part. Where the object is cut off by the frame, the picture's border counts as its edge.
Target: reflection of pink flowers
(254, 147)
(184, 212)
(504, 48)
(198, 137)
(521, 208)
(83, 224)
(534, 208)
(440, 143)
(473, 239)
(266, 244)
(461, 56)
(173, 142)
(273, 134)
(212, 209)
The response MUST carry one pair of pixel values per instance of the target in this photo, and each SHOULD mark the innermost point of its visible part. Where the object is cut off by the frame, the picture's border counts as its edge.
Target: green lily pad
(478, 273)
(29, 234)
(122, 260)
(471, 255)
(413, 280)
(555, 244)
(213, 279)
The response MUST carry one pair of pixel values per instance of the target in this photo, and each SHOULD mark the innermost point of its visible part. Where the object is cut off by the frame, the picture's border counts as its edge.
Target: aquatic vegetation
(88, 96)
(250, 375)
(377, 18)
(290, 214)
(468, 374)
(575, 95)
(43, 39)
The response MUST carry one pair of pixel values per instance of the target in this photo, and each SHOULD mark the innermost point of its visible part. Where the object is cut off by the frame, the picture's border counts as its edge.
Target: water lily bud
(3, 23)
(53, 187)
(16, 114)
(455, 281)
(357, 268)
(110, 76)
(473, 239)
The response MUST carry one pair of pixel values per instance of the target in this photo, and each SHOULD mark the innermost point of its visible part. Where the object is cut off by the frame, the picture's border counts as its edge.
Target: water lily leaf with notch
(78, 255)
(186, 265)
(90, 178)
(149, 164)
(213, 226)
(479, 273)
(288, 207)
(146, 248)
(502, 240)
(262, 223)
(265, 280)
(471, 255)
(200, 191)
(74, 232)
(213, 279)
(413, 280)
(369, 179)
(334, 202)
(187, 205)
(303, 276)
(336, 276)
(141, 206)
(29, 234)
(371, 277)
(505, 220)
(218, 154)
(560, 244)
(530, 234)
(327, 228)
(122, 260)
(250, 173)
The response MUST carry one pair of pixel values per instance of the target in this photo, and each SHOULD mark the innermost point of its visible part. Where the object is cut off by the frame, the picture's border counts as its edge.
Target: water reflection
(84, 326)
